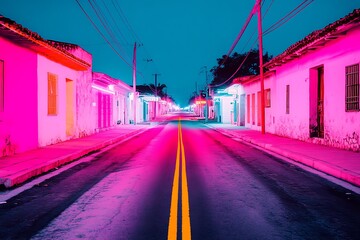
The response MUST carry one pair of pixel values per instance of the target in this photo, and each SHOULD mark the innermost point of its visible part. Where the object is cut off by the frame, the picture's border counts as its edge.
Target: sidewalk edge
(21, 177)
(319, 165)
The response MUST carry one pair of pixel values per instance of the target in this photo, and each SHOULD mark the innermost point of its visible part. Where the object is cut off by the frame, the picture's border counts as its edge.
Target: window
(259, 108)
(287, 99)
(248, 108)
(52, 94)
(267, 98)
(352, 88)
(2, 86)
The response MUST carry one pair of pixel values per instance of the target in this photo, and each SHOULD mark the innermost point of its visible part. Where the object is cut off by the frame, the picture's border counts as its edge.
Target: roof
(53, 50)
(252, 78)
(106, 79)
(317, 39)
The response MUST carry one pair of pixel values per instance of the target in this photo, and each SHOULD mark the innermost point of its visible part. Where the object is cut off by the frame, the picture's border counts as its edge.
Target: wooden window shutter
(52, 94)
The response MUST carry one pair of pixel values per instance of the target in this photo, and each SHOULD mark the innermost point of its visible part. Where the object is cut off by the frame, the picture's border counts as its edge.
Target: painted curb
(21, 177)
(335, 171)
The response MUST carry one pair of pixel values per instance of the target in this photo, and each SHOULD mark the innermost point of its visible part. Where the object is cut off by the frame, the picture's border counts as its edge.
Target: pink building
(45, 90)
(312, 89)
(111, 101)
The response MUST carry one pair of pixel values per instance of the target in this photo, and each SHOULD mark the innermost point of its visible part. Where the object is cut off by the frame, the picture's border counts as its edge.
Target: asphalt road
(179, 180)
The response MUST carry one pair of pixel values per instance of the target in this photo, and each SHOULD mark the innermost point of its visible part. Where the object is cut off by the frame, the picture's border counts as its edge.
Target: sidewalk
(339, 163)
(19, 168)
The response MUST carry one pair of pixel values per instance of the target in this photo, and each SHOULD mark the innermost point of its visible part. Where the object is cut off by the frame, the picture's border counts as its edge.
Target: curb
(23, 176)
(319, 165)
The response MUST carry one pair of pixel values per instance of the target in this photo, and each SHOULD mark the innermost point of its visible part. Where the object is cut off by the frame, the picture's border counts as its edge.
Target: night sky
(178, 38)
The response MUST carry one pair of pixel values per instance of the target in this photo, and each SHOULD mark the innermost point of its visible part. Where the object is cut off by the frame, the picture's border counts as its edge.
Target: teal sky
(179, 36)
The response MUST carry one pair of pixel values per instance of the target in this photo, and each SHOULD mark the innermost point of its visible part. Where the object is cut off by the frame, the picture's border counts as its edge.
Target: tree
(222, 73)
(159, 89)
(150, 89)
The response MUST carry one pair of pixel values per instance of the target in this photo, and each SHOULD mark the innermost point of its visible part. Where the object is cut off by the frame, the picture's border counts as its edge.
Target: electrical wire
(288, 16)
(131, 30)
(116, 25)
(237, 70)
(282, 21)
(125, 21)
(105, 24)
(242, 63)
(102, 35)
(239, 35)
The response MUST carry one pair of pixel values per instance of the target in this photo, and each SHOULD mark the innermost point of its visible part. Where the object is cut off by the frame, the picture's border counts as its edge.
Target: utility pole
(134, 83)
(258, 3)
(156, 91)
(206, 96)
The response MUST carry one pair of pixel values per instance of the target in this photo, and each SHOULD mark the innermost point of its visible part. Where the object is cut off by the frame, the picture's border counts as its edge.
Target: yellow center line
(173, 219)
(172, 230)
(186, 229)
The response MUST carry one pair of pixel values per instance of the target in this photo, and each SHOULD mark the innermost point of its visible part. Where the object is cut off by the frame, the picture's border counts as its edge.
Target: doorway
(69, 107)
(316, 126)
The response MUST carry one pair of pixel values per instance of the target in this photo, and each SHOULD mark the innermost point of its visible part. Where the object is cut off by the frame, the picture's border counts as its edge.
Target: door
(320, 103)
(242, 110)
(69, 107)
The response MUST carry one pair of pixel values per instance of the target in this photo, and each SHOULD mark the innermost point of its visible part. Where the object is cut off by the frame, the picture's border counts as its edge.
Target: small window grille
(352, 88)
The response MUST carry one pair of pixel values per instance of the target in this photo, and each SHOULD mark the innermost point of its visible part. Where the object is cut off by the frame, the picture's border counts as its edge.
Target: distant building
(152, 106)
(225, 106)
(312, 89)
(44, 90)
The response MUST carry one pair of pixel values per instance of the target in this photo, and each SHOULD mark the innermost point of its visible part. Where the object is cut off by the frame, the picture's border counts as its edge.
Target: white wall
(52, 129)
(227, 109)
(253, 88)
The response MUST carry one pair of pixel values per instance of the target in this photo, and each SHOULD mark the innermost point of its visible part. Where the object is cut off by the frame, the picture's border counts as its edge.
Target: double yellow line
(185, 213)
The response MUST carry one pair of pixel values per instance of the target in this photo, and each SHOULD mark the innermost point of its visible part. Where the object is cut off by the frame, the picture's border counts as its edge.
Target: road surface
(182, 180)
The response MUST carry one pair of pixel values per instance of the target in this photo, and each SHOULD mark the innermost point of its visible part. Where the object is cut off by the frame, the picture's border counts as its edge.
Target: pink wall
(341, 128)
(19, 119)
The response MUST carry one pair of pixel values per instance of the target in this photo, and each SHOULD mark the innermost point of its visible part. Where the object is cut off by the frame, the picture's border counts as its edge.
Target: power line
(102, 35)
(105, 24)
(131, 30)
(237, 70)
(117, 27)
(125, 20)
(273, 27)
(239, 35)
(288, 16)
(252, 35)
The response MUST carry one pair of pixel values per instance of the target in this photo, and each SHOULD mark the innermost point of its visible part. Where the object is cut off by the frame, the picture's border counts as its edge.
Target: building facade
(44, 90)
(111, 101)
(312, 89)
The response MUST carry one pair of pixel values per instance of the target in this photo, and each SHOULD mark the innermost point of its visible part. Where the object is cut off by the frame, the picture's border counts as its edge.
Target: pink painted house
(111, 101)
(44, 90)
(312, 89)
